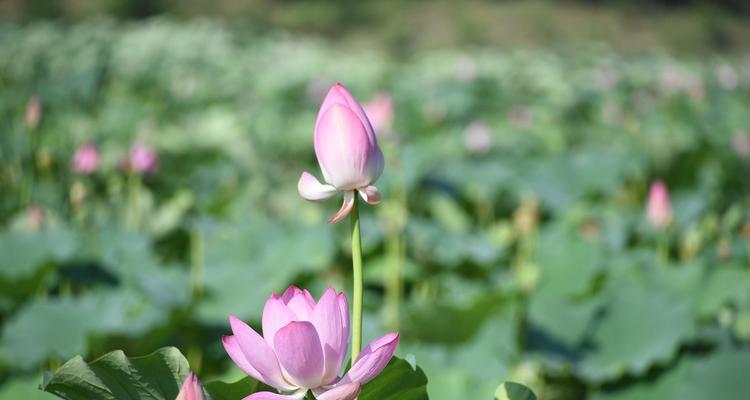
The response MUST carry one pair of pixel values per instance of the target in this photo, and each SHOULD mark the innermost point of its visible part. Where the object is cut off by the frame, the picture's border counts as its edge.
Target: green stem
(358, 289)
(662, 254)
(393, 281)
(196, 261)
(134, 206)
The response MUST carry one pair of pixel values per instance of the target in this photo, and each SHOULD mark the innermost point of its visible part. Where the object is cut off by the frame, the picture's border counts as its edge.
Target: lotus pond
(148, 180)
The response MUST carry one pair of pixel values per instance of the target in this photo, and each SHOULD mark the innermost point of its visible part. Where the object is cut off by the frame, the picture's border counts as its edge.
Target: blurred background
(150, 152)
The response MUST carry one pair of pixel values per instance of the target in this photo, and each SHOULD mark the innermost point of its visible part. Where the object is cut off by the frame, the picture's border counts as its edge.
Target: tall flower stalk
(351, 161)
(358, 283)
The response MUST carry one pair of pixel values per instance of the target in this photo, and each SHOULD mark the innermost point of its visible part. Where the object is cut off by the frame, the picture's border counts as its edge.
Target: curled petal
(343, 392)
(236, 354)
(370, 194)
(276, 315)
(299, 351)
(260, 356)
(344, 309)
(311, 189)
(372, 360)
(345, 209)
(300, 394)
(327, 321)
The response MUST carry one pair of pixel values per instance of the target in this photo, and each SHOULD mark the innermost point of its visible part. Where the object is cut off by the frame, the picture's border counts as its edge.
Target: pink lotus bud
(347, 152)
(741, 143)
(191, 389)
(659, 208)
(727, 77)
(143, 159)
(36, 216)
(33, 112)
(478, 137)
(86, 159)
(380, 112)
(303, 347)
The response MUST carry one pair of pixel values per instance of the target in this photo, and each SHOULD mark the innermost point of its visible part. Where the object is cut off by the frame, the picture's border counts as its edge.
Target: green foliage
(157, 376)
(513, 391)
(399, 380)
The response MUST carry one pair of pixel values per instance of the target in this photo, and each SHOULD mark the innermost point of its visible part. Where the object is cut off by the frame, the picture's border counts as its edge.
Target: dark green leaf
(157, 376)
(513, 391)
(398, 381)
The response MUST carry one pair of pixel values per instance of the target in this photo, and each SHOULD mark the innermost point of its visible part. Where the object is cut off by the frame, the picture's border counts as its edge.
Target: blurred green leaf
(513, 391)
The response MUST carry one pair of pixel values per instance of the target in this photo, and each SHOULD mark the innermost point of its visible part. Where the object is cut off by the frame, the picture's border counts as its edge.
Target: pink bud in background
(741, 143)
(478, 138)
(143, 159)
(347, 151)
(303, 348)
(380, 112)
(191, 389)
(33, 112)
(36, 216)
(659, 208)
(86, 159)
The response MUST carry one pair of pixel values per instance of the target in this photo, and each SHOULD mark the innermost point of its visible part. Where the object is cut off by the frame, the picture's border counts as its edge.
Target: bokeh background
(150, 152)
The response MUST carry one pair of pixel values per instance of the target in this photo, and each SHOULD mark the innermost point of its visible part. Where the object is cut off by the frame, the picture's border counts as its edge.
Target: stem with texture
(358, 285)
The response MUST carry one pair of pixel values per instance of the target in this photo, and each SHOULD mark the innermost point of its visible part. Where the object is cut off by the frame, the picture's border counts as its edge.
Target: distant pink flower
(379, 111)
(659, 207)
(606, 77)
(143, 159)
(36, 216)
(347, 151)
(191, 389)
(33, 112)
(741, 143)
(727, 77)
(521, 117)
(86, 159)
(478, 137)
(466, 69)
(303, 347)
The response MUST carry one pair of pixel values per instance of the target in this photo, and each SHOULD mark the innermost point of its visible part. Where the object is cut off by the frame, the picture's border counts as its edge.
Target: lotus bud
(347, 151)
(143, 159)
(659, 207)
(191, 389)
(86, 159)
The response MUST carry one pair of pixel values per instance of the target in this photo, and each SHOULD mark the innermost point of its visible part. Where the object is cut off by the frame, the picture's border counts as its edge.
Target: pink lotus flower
(143, 159)
(478, 137)
(347, 151)
(380, 112)
(86, 159)
(303, 347)
(659, 208)
(191, 389)
(33, 112)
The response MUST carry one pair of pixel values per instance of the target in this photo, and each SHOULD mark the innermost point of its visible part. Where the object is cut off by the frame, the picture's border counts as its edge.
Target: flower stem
(357, 273)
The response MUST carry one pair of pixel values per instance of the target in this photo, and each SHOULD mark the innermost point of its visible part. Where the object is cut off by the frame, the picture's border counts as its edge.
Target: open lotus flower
(303, 347)
(659, 208)
(347, 151)
(191, 389)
